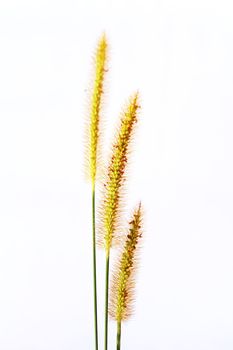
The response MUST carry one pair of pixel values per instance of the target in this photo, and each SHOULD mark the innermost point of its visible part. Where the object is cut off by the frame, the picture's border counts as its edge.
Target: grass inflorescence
(122, 287)
(96, 101)
(112, 197)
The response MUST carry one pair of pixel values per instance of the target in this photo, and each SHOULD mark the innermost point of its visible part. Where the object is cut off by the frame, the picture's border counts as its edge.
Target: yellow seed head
(122, 286)
(95, 107)
(115, 177)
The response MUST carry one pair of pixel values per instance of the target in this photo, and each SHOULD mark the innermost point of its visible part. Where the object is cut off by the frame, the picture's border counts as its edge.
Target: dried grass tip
(123, 283)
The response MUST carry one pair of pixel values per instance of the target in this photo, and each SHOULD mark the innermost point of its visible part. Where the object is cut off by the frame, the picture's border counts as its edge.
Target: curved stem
(94, 267)
(118, 335)
(106, 300)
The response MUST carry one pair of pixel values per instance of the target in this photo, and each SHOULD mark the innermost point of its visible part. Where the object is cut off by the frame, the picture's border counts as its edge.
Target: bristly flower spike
(122, 288)
(123, 284)
(100, 62)
(111, 206)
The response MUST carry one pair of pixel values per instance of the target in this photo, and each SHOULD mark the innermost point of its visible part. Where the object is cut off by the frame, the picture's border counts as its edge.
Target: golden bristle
(122, 287)
(110, 210)
(95, 108)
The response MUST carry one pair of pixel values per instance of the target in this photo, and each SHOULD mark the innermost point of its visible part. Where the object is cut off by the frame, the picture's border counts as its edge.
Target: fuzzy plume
(122, 287)
(115, 178)
(93, 128)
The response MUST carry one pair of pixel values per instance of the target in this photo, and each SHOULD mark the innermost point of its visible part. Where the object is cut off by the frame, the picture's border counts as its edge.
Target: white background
(179, 54)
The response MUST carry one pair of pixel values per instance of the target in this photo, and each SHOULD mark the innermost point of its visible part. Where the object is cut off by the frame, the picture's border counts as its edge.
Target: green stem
(94, 267)
(106, 301)
(118, 335)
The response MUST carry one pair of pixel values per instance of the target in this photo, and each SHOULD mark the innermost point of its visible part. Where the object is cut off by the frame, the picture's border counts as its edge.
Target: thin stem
(118, 335)
(106, 300)
(94, 267)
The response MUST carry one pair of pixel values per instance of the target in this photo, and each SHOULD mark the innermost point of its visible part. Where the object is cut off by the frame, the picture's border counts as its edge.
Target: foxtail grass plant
(112, 202)
(93, 152)
(123, 283)
(111, 210)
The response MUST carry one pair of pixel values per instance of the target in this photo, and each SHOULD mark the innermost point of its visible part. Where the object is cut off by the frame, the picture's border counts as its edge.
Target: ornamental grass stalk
(93, 155)
(123, 279)
(113, 191)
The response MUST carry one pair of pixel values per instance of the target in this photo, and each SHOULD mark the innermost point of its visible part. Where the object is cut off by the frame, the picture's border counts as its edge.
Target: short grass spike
(122, 287)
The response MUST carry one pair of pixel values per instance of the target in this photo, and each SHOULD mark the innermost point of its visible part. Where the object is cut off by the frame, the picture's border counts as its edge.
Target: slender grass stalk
(106, 301)
(110, 211)
(118, 335)
(94, 268)
(93, 133)
(122, 286)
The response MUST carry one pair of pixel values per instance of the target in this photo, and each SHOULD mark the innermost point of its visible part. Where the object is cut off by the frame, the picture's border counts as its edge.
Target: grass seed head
(122, 287)
(96, 99)
(113, 187)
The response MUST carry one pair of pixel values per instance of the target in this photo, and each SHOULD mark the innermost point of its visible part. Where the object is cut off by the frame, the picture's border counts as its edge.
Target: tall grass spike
(95, 108)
